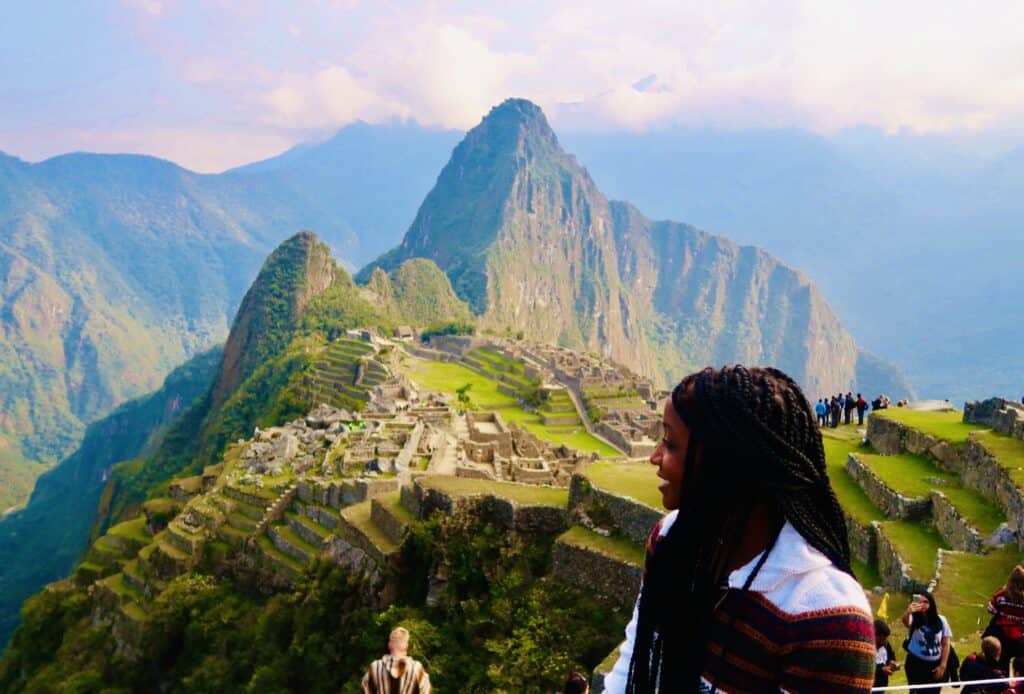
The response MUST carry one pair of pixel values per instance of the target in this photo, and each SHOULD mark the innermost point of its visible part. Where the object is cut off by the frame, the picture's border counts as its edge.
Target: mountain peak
(514, 121)
(298, 270)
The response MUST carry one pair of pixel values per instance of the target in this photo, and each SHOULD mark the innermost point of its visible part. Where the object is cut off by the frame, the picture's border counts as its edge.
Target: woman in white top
(927, 644)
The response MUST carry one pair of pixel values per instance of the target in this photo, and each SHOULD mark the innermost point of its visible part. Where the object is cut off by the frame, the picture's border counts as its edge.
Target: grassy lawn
(635, 480)
(446, 377)
(966, 584)
(838, 445)
(528, 494)
(917, 545)
(614, 547)
(948, 425)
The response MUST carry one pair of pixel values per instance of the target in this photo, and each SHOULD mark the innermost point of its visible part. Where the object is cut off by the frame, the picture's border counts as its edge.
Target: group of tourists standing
(839, 408)
(931, 659)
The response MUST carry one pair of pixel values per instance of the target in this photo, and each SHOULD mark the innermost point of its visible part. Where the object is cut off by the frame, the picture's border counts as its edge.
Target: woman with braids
(747, 584)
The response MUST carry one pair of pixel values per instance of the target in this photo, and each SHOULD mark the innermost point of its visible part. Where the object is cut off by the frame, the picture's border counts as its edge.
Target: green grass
(851, 497)
(392, 502)
(917, 545)
(446, 377)
(981, 513)
(866, 574)
(614, 547)
(1008, 451)
(268, 548)
(358, 516)
(636, 480)
(914, 476)
(966, 584)
(134, 529)
(527, 494)
(946, 425)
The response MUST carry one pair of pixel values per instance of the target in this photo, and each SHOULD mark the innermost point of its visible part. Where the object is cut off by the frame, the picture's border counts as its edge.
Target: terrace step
(358, 529)
(132, 577)
(308, 529)
(232, 535)
(607, 566)
(388, 514)
(324, 516)
(279, 562)
(907, 554)
(286, 540)
(187, 542)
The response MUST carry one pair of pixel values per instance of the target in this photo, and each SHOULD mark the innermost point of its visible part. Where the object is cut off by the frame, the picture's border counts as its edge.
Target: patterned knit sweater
(804, 626)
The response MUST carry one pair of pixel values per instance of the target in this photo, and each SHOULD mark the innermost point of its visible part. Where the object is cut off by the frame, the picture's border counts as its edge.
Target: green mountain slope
(43, 541)
(530, 242)
(300, 299)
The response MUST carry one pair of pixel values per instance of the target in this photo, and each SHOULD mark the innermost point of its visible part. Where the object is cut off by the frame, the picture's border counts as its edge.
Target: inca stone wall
(893, 569)
(863, 544)
(629, 518)
(953, 527)
(890, 438)
(892, 504)
(983, 473)
(595, 572)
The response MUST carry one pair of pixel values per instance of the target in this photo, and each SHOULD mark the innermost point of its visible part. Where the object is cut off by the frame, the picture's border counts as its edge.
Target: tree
(463, 394)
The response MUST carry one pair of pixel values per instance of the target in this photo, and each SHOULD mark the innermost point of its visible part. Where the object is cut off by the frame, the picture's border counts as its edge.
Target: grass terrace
(614, 547)
(866, 574)
(917, 544)
(851, 497)
(134, 529)
(358, 516)
(1008, 451)
(526, 494)
(947, 425)
(966, 584)
(635, 480)
(446, 377)
(915, 476)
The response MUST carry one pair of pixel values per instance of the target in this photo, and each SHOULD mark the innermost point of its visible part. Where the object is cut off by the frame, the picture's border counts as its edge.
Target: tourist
(848, 406)
(396, 673)
(820, 410)
(835, 408)
(984, 666)
(747, 583)
(862, 405)
(1007, 623)
(576, 683)
(885, 657)
(928, 644)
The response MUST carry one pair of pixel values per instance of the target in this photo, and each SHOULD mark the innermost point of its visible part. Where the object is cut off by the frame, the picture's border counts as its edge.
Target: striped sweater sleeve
(829, 651)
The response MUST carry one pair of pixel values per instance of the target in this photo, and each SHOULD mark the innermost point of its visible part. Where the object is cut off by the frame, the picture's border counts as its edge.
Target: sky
(213, 84)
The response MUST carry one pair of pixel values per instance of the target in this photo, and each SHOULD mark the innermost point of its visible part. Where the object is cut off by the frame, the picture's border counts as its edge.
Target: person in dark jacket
(862, 405)
(984, 666)
(835, 409)
(848, 405)
(885, 658)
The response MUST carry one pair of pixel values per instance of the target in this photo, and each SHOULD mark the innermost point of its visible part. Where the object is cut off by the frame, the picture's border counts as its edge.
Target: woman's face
(670, 456)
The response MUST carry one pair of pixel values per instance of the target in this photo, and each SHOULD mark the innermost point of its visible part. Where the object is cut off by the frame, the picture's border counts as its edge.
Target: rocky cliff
(531, 244)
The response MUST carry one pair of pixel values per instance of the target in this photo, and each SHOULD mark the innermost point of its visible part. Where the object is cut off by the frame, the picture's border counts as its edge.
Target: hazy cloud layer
(234, 81)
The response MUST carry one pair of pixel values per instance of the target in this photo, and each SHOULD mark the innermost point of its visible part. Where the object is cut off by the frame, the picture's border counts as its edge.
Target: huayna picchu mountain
(532, 245)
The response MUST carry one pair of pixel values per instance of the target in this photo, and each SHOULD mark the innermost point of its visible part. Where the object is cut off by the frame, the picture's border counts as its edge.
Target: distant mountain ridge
(531, 244)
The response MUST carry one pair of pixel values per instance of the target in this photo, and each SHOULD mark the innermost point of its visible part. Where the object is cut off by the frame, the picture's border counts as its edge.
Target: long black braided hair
(758, 442)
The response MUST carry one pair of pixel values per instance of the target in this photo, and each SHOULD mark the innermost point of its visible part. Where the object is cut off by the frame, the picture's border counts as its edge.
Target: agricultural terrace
(484, 393)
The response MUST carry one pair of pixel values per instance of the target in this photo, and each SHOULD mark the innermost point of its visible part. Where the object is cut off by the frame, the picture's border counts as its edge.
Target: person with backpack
(928, 644)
